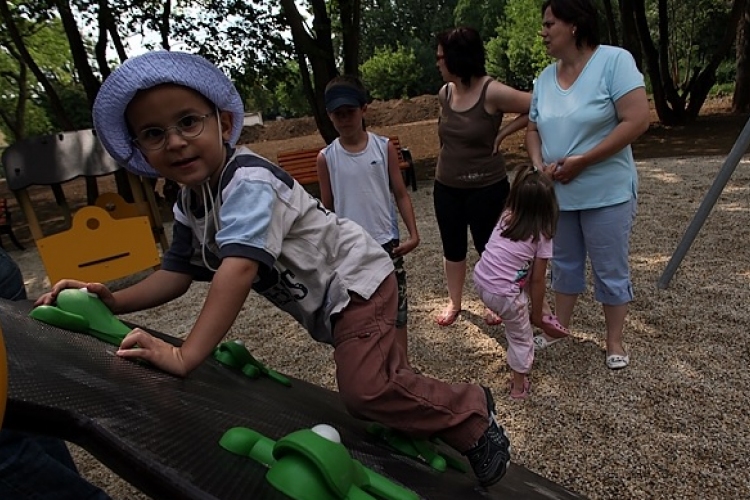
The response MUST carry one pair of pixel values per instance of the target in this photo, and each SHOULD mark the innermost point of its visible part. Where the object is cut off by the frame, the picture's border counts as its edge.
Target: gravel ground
(672, 425)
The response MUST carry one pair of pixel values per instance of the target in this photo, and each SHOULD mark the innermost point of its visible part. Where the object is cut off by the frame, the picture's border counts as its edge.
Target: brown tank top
(467, 138)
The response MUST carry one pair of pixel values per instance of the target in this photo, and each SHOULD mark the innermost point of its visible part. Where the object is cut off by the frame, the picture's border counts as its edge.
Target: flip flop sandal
(541, 342)
(447, 318)
(617, 361)
(492, 319)
(553, 328)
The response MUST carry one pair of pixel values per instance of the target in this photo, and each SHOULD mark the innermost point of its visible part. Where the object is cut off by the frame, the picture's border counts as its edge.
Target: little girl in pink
(514, 264)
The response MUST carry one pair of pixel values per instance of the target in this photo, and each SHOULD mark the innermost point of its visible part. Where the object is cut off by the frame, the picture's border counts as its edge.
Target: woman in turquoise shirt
(587, 108)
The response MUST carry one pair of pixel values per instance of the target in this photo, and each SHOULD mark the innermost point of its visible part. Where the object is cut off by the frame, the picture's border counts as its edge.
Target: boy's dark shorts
(398, 263)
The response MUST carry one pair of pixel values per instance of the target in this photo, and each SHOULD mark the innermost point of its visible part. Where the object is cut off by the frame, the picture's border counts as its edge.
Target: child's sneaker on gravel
(490, 457)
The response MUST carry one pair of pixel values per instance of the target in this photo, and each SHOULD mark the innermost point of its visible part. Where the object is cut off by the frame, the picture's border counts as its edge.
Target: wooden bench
(302, 164)
(6, 226)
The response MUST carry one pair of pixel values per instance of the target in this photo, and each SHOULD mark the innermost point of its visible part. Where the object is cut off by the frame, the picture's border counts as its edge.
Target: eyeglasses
(188, 127)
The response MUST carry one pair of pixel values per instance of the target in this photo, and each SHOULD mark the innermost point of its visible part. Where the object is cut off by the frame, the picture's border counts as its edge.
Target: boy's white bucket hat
(149, 70)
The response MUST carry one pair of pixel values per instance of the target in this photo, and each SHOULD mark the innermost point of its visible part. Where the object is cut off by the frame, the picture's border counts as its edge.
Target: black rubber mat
(161, 433)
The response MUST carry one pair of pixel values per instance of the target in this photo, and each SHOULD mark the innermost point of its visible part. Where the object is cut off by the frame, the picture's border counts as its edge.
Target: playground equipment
(161, 433)
(104, 242)
(735, 155)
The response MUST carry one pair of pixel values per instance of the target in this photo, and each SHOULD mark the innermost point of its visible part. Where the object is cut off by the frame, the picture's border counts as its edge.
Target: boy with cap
(243, 223)
(357, 173)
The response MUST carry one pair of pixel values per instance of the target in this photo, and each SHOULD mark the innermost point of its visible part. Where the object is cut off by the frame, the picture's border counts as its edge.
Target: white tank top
(361, 187)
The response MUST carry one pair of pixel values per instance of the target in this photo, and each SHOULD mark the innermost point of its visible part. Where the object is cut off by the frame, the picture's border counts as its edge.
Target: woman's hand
(568, 168)
(142, 345)
(104, 294)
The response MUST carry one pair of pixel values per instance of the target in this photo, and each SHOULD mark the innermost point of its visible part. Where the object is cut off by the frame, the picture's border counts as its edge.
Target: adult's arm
(506, 99)
(324, 180)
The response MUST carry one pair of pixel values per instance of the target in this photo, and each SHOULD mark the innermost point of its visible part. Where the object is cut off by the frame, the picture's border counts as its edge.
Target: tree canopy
(281, 54)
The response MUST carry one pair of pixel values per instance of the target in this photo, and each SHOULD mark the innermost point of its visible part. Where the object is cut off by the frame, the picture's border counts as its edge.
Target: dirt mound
(379, 114)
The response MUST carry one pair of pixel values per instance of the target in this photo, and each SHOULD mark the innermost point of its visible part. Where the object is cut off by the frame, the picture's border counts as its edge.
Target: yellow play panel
(99, 247)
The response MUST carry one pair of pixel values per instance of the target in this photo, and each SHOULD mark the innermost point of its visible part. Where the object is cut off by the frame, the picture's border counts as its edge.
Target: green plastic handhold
(248, 443)
(421, 449)
(55, 316)
(81, 311)
(237, 356)
(306, 466)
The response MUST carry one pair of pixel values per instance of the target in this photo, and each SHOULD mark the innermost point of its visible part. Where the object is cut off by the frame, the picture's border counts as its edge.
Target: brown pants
(376, 382)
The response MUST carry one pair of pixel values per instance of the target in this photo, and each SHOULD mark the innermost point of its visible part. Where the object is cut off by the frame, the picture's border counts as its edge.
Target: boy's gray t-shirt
(309, 259)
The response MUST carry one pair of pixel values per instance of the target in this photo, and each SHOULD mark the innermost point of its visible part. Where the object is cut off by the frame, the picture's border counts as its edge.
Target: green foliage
(48, 45)
(722, 90)
(695, 29)
(517, 54)
(394, 23)
(391, 74)
(280, 95)
(290, 97)
(76, 106)
(482, 15)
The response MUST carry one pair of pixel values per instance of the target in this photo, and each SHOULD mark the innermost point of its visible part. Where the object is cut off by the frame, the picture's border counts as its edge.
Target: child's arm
(537, 290)
(229, 289)
(158, 288)
(403, 202)
(324, 180)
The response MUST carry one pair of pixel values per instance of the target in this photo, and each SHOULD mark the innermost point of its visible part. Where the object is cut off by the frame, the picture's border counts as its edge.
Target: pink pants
(376, 382)
(518, 331)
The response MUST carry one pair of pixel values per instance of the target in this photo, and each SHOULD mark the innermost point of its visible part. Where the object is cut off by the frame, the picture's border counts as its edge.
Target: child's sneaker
(490, 458)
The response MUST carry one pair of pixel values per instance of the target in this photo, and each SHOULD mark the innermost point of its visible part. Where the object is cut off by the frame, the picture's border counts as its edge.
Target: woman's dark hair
(463, 52)
(531, 209)
(580, 13)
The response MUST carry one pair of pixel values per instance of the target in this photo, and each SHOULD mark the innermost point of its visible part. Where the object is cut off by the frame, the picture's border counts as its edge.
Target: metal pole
(735, 155)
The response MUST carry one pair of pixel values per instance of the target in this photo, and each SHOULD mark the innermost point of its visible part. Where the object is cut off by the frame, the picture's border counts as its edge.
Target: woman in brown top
(470, 182)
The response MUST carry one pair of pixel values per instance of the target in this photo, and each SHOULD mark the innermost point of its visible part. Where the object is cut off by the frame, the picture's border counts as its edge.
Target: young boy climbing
(243, 223)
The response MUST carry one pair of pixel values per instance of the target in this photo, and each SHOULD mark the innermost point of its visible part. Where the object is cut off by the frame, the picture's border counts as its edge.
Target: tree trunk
(316, 54)
(114, 35)
(23, 98)
(164, 24)
(630, 40)
(701, 86)
(107, 24)
(651, 56)
(78, 50)
(101, 42)
(611, 25)
(667, 77)
(90, 83)
(350, 16)
(741, 97)
(15, 36)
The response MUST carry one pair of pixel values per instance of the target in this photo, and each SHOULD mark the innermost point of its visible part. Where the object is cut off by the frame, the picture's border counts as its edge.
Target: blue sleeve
(178, 257)
(246, 221)
(623, 75)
